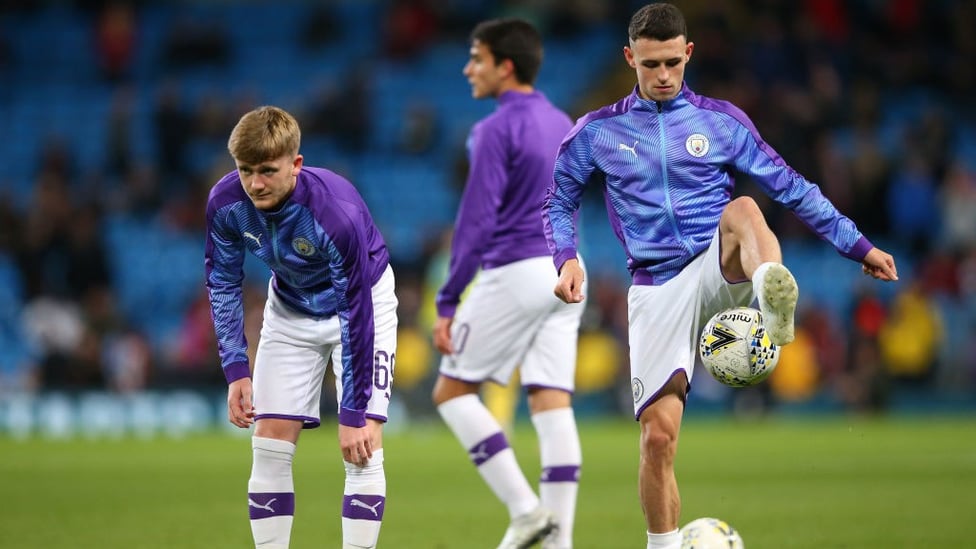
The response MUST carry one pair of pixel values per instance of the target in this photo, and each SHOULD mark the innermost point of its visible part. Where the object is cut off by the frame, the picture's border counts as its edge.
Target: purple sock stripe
(560, 473)
(363, 506)
(270, 504)
(487, 448)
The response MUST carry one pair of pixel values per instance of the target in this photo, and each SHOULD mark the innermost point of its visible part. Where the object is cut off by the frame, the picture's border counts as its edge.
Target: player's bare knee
(659, 432)
(658, 444)
(661, 421)
(278, 429)
(446, 389)
(438, 395)
(542, 399)
(741, 211)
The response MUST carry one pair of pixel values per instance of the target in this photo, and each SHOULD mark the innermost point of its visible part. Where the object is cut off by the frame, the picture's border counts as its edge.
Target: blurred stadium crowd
(115, 116)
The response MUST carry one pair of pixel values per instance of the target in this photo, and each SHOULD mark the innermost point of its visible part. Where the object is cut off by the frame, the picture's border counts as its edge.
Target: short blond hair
(264, 134)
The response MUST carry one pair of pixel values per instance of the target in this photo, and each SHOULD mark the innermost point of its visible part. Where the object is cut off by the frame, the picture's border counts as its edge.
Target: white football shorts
(295, 349)
(665, 321)
(512, 318)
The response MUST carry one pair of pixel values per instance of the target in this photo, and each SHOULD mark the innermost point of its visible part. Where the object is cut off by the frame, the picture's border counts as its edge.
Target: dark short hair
(660, 21)
(514, 39)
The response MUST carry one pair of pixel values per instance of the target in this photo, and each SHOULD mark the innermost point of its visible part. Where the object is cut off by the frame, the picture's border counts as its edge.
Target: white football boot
(528, 529)
(777, 294)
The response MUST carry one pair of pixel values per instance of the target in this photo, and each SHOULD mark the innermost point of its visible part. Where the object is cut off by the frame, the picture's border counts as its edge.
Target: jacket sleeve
(477, 215)
(572, 170)
(785, 185)
(347, 247)
(224, 264)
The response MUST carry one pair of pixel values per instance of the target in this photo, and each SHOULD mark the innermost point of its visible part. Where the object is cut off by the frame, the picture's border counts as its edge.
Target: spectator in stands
(957, 208)
(342, 111)
(420, 133)
(41, 252)
(321, 27)
(119, 154)
(194, 42)
(116, 40)
(912, 203)
(409, 27)
(172, 131)
(86, 264)
(911, 336)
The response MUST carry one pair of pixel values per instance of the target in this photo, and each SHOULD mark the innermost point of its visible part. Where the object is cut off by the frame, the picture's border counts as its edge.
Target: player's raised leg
(751, 250)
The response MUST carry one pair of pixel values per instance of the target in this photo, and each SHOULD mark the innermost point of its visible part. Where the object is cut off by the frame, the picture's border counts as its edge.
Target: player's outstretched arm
(240, 402)
(570, 284)
(880, 265)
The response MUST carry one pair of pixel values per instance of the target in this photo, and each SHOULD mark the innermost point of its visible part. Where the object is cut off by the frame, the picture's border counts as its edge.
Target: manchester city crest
(697, 145)
(303, 246)
(638, 388)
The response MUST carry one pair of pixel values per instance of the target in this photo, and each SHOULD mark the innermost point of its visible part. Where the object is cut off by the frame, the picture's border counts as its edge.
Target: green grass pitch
(783, 483)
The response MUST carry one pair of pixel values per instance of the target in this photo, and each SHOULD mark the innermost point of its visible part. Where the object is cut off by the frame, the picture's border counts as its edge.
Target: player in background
(331, 296)
(510, 317)
(666, 156)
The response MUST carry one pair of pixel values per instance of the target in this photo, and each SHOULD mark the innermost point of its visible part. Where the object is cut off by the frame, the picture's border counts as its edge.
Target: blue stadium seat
(411, 202)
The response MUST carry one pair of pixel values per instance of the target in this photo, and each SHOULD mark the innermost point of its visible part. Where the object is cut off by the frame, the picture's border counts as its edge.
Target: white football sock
(271, 492)
(670, 540)
(363, 502)
(482, 437)
(559, 450)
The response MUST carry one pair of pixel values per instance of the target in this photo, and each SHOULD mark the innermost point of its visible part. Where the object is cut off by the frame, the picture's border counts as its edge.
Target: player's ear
(509, 66)
(688, 49)
(629, 56)
(297, 164)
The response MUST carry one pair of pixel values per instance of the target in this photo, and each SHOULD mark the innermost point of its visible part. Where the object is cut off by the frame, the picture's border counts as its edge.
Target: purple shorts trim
(539, 386)
(462, 380)
(657, 394)
(307, 422)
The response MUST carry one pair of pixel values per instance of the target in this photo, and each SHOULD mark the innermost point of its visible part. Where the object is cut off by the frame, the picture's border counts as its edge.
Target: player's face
(484, 76)
(660, 65)
(270, 182)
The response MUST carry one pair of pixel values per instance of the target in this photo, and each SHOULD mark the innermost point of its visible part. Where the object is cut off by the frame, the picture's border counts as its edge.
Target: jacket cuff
(447, 310)
(235, 371)
(352, 418)
(859, 250)
(562, 256)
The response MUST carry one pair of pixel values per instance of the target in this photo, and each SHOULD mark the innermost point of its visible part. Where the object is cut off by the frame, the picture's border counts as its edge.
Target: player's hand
(880, 265)
(569, 288)
(356, 443)
(240, 403)
(442, 335)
